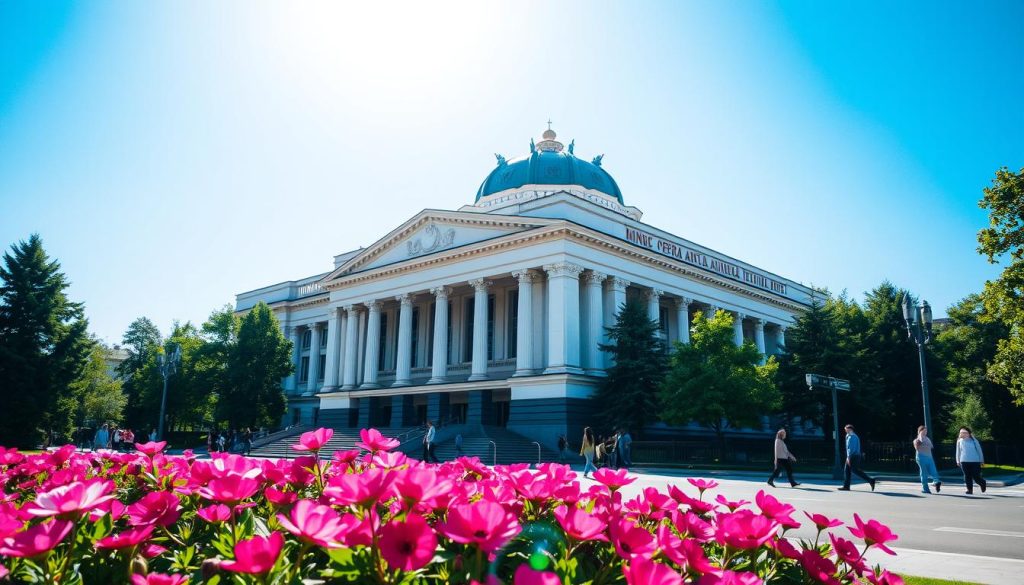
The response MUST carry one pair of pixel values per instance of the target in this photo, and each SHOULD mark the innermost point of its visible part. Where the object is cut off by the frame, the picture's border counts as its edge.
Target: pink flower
(215, 514)
(730, 578)
(885, 578)
(614, 479)
(702, 484)
(10, 456)
(80, 496)
(823, 522)
(151, 550)
(641, 571)
(229, 489)
(685, 552)
(776, 510)
(36, 540)
(744, 529)
(363, 489)
(151, 448)
(820, 569)
(314, 440)
(873, 533)
(693, 526)
(315, 524)
(733, 506)
(256, 555)
(486, 524)
(159, 579)
(580, 524)
(128, 538)
(847, 552)
(699, 506)
(278, 497)
(524, 575)
(373, 441)
(785, 548)
(631, 540)
(408, 545)
(160, 508)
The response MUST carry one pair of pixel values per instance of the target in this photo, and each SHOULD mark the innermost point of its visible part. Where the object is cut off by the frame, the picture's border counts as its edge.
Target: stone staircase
(476, 442)
(343, 440)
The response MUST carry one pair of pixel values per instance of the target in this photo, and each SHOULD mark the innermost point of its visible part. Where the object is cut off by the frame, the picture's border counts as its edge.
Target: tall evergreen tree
(628, 396)
(142, 340)
(716, 383)
(43, 346)
(259, 359)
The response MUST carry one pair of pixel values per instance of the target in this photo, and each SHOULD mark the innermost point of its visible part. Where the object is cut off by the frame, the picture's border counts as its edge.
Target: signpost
(820, 382)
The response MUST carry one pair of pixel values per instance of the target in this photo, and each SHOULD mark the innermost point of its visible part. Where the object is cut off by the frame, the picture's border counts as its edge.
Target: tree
(628, 395)
(966, 347)
(969, 412)
(716, 383)
(259, 359)
(142, 341)
(220, 337)
(43, 345)
(101, 397)
(1004, 297)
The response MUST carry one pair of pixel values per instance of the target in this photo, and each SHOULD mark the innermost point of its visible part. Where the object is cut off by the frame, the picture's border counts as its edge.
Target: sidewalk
(950, 477)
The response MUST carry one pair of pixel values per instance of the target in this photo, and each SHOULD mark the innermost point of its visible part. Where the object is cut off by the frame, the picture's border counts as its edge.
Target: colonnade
(575, 327)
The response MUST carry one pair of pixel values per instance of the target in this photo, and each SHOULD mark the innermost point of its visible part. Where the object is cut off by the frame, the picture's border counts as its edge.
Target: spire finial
(549, 123)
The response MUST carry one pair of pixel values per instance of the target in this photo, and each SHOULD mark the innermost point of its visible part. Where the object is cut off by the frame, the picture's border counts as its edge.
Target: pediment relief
(428, 234)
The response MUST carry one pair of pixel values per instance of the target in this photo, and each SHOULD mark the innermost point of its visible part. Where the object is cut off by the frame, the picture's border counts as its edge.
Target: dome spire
(548, 142)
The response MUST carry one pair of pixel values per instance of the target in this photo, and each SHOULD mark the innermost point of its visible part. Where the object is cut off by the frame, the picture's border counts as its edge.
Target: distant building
(113, 357)
(492, 314)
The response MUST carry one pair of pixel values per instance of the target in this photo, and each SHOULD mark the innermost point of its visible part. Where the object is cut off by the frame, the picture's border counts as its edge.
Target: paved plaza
(950, 535)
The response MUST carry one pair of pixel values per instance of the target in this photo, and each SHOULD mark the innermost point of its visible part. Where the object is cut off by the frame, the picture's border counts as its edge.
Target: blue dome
(548, 165)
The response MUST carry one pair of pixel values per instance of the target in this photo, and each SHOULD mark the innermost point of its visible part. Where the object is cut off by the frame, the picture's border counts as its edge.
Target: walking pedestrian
(782, 460)
(247, 438)
(969, 459)
(563, 446)
(429, 442)
(925, 461)
(587, 450)
(458, 444)
(611, 449)
(854, 456)
(625, 448)
(101, 438)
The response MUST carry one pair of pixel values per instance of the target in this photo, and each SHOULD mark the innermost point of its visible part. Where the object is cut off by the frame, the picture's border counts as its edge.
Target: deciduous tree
(260, 358)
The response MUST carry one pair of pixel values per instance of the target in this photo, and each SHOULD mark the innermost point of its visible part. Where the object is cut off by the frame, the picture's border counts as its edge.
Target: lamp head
(908, 310)
(926, 314)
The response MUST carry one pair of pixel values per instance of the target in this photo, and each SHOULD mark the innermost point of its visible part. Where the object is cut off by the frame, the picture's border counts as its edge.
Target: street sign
(826, 383)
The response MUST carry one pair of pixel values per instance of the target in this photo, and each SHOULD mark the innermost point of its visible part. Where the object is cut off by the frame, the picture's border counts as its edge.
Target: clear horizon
(172, 157)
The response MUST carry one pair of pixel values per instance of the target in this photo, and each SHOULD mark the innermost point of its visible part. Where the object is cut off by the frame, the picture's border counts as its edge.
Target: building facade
(492, 314)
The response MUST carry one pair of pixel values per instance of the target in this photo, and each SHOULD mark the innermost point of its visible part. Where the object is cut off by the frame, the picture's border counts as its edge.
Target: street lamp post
(168, 365)
(919, 330)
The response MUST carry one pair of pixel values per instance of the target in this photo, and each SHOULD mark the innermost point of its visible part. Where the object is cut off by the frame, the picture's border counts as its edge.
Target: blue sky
(172, 155)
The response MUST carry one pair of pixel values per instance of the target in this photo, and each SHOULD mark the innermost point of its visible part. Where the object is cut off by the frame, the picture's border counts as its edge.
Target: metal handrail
(495, 446)
(538, 451)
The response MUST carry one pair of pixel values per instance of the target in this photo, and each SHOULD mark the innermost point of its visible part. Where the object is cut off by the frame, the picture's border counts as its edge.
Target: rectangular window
(383, 341)
(323, 337)
(512, 302)
(322, 366)
(490, 327)
(307, 337)
(415, 335)
(304, 369)
(663, 322)
(430, 336)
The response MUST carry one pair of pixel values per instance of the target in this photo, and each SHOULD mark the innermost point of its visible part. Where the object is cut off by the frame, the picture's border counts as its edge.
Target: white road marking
(952, 554)
(980, 531)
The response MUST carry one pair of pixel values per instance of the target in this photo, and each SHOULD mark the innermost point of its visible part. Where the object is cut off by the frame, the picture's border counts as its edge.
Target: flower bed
(371, 515)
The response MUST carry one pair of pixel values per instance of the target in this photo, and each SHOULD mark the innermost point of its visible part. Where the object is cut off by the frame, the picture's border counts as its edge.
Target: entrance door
(501, 413)
(421, 414)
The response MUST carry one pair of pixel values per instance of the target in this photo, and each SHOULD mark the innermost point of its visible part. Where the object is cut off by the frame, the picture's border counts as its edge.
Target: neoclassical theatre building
(492, 314)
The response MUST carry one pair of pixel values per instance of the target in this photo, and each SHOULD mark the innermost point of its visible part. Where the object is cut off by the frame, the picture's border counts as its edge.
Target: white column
(403, 362)
(478, 370)
(291, 382)
(594, 364)
(780, 337)
(372, 346)
(524, 324)
(333, 340)
(683, 319)
(360, 346)
(653, 297)
(737, 327)
(759, 337)
(439, 370)
(563, 318)
(351, 348)
(711, 312)
(616, 300)
(342, 338)
(314, 358)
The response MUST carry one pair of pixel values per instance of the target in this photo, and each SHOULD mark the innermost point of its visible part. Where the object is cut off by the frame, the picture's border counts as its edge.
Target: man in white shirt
(429, 440)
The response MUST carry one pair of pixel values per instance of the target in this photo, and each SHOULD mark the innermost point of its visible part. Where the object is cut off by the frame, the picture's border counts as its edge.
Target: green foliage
(970, 412)
(259, 358)
(102, 399)
(715, 382)
(43, 346)
(142, 341)
(628, 395)
(1004, 297)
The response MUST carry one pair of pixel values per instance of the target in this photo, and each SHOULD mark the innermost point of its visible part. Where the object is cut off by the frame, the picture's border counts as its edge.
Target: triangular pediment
(433, 231)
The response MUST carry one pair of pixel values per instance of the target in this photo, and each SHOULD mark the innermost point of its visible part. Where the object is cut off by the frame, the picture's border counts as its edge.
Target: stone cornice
(559, 230)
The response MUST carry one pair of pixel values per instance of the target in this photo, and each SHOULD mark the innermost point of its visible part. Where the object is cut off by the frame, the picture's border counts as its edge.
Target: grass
(1003, 469)
(929, 581)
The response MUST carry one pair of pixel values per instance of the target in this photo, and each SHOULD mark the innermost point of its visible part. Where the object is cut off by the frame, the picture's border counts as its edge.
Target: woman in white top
(969, 459)
(782, 459)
